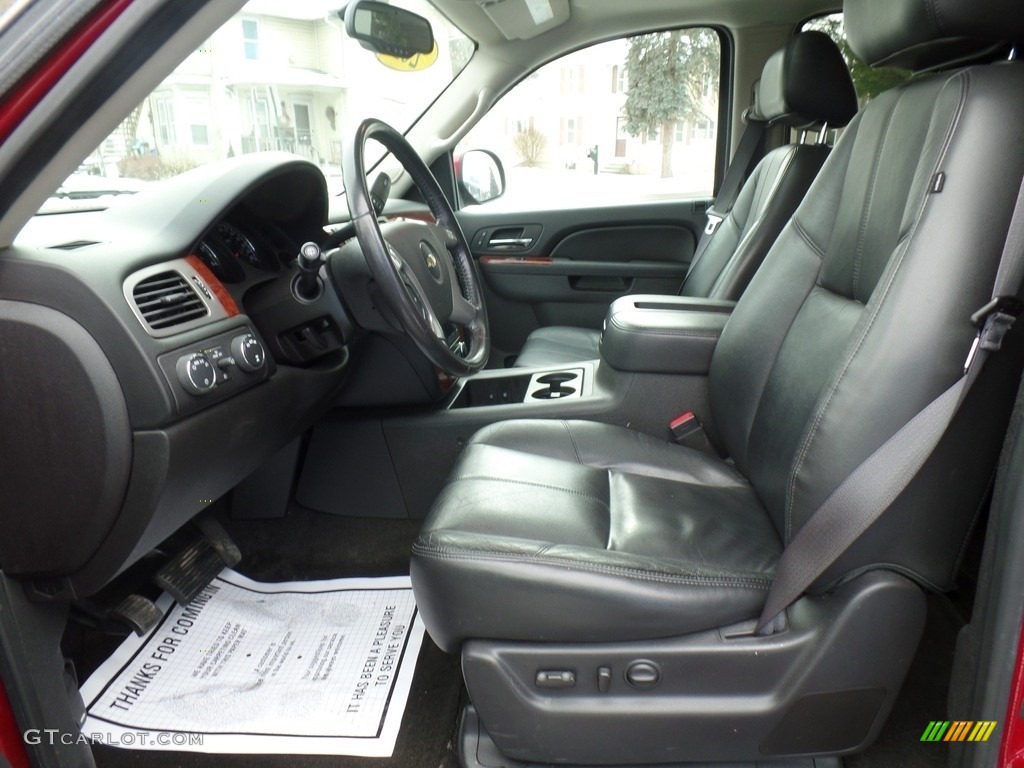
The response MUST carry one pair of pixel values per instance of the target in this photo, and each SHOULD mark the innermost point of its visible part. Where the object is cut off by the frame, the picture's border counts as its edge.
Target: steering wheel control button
(196, 373)
(643, 675)
(248, 352)
(556, 678)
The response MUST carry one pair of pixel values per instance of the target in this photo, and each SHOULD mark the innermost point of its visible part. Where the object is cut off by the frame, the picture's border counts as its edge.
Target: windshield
(278, 76)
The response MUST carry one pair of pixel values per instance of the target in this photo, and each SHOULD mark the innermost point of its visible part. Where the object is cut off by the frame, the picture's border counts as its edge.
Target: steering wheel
(425, 272)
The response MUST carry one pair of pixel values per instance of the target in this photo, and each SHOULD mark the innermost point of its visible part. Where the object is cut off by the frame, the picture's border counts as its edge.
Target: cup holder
(554, 392)
(557, 378)
(556, 385)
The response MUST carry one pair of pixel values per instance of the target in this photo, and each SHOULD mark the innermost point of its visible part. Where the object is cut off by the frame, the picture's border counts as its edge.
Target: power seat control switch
(555, 678)
(196, 373)
(643, 675)
(248, 352)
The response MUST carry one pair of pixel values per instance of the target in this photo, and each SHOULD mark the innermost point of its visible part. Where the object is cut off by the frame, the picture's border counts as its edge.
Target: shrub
(154, 167)
(530, 145)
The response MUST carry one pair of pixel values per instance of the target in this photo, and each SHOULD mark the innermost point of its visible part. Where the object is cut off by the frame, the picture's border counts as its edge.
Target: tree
(529, 144)
(667, 73)
(867, 80)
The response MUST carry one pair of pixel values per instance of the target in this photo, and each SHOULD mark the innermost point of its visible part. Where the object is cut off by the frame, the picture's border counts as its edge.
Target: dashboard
(232, 247)
(141, 378)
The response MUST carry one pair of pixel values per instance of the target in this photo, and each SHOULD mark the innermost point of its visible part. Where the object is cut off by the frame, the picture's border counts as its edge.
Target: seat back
(724, 264)
(861, 313)
(804, 84)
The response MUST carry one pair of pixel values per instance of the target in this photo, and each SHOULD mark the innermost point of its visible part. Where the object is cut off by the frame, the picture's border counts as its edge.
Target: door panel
(565, 266)
(667, 243)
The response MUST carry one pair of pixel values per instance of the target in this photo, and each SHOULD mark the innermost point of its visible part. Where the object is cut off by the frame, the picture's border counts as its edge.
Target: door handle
(510, 243)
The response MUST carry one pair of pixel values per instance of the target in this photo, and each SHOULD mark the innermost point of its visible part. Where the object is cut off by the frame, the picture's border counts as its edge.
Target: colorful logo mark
(959, 730)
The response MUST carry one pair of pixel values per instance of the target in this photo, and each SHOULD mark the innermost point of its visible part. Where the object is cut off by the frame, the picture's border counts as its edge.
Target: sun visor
(523, 19)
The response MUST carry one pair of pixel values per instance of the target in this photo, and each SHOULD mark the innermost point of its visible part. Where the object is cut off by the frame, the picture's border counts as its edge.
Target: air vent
(165, 300)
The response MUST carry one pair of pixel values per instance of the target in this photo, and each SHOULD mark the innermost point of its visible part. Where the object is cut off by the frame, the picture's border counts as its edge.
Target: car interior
(723, 478)
(725, 261)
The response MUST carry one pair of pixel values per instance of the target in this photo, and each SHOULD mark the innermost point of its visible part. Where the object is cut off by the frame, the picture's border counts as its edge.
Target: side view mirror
(480, 175)
(387, 29)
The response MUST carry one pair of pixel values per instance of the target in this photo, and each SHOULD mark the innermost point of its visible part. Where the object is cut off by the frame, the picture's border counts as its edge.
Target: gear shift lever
(306, 285)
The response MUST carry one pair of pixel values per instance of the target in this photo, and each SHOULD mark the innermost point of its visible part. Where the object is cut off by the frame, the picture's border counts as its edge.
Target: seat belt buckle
(993, 321)
(687, 430)
(714, 219)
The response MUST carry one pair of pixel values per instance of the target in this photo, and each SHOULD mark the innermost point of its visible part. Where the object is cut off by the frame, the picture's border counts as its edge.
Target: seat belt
(876, 483)
(748, 153)
(742, 164)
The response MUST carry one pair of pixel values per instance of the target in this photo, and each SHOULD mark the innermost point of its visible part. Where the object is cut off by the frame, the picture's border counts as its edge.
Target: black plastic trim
(823, 687)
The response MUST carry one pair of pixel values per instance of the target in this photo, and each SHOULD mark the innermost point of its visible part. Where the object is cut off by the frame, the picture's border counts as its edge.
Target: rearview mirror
(385, 29)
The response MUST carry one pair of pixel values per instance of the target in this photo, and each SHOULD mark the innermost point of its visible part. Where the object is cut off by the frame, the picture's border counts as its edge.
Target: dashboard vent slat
(166, 300)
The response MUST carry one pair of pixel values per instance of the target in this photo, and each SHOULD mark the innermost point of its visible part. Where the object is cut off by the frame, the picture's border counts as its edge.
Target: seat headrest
(928, 34)
(805, 83)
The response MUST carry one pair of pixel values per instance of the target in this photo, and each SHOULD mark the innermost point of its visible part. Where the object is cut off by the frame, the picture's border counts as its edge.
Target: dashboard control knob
(196, 373)
(248, 352)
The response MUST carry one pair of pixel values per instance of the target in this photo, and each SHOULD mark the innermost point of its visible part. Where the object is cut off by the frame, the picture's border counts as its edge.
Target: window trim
(253, 41)
(726, 89)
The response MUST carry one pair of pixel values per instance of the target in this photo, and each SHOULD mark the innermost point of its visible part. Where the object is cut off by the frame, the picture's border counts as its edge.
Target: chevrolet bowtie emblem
(432, 261)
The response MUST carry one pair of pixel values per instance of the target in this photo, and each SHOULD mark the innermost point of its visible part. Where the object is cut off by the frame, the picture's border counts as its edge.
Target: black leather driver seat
(805, 83)
(574, 563)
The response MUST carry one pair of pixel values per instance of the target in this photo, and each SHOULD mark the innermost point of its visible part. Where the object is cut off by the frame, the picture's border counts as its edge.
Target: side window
(869, 81)
(624, 120)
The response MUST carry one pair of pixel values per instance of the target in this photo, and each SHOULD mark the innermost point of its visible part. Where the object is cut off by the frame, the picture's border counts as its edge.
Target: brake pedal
(196, 566)
(138, 612)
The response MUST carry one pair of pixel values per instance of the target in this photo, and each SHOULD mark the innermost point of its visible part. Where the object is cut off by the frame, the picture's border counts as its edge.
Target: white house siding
(247, 88)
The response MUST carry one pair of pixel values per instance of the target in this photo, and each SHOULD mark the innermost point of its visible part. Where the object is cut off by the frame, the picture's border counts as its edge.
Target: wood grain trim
(417, 215)
(220, 293)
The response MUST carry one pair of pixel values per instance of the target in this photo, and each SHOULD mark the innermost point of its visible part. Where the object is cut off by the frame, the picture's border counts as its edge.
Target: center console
(655, 355)
(510, 386)
(663, 334)
(642, 334)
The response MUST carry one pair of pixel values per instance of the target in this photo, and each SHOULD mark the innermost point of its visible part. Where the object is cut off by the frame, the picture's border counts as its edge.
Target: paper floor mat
(318, 667)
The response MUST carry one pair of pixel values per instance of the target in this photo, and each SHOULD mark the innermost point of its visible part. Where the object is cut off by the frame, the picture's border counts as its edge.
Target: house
(278, 76)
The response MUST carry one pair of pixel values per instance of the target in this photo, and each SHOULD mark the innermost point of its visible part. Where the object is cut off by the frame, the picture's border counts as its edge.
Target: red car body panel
(31, 90)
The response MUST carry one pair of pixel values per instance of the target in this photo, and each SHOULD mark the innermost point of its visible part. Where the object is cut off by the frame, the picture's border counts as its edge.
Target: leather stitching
(868, 203)
(806, 237)
(644, 330)
(935, 13)
(712, 580)
(572, 440)
(890, 279)
(812, 431)
(491, 478)
(785, 160)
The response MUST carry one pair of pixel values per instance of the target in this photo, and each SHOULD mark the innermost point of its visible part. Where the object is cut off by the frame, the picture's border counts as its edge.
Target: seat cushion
(591, 533)
(557, 345)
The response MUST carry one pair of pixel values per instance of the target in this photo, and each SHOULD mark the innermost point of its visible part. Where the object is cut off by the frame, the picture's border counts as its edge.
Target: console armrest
(663, 334)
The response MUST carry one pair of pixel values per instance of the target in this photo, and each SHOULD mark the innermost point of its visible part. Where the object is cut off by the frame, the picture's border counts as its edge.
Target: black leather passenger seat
(804, 84)
(586, 546)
